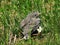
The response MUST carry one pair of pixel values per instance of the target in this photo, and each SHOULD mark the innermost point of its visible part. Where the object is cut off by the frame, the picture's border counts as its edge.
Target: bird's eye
(35, 14)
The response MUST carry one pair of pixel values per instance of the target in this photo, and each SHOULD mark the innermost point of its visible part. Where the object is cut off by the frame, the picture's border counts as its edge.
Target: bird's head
(35, 14)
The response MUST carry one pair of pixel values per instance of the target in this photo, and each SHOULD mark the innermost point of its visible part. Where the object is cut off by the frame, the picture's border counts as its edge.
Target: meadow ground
(12, 12)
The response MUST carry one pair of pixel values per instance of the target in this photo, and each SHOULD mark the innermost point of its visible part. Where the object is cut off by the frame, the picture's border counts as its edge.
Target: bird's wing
(25, 22)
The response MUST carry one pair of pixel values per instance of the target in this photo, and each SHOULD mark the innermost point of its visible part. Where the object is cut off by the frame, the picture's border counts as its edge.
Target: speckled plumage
(30, 21)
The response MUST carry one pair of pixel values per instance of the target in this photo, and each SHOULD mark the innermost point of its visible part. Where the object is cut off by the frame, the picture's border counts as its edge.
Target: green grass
(12, 12)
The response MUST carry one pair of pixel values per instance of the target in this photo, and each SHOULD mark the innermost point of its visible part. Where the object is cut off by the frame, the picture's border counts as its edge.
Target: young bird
(29, 22)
